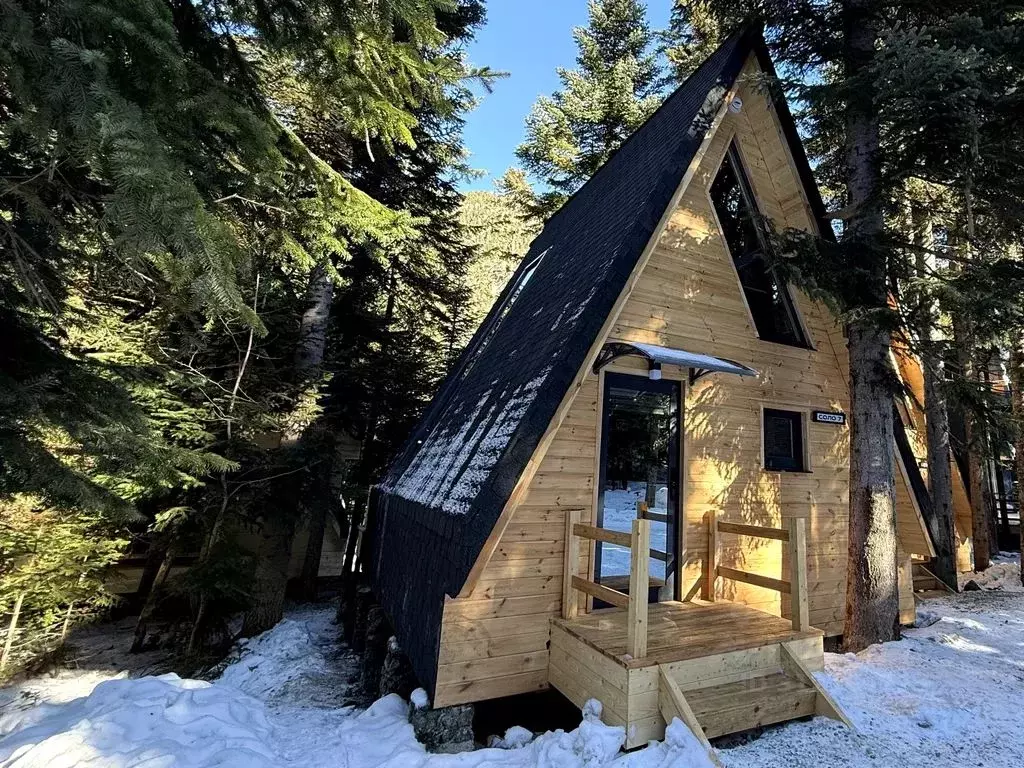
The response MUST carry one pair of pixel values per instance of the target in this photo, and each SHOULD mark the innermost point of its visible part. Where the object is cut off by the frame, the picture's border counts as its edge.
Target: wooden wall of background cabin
(911, 374)
(125, 577)
(494, 640)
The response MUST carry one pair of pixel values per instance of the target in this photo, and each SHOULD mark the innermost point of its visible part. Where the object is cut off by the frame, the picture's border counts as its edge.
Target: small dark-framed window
(784, 440)
(771, 306)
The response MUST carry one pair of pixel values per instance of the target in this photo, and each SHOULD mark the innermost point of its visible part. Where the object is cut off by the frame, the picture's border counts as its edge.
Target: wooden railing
(794, 535)
(643, 513)
(638, 541)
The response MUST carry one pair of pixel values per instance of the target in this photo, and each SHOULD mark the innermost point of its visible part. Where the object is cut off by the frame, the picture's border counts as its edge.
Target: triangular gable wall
(686, 294)
(909, 370)
(494, 635)
(723, 414)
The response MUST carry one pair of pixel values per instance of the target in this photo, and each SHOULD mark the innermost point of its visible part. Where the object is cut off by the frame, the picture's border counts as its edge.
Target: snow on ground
(1004, 574)
(279, 704)
(950, 693)
(99, 654)
(619, 514)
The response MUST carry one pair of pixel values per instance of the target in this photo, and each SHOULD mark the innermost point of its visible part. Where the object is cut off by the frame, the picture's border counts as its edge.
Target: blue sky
(528, 39)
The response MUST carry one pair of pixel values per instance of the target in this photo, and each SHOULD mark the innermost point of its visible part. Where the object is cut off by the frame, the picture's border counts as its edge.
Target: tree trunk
(973, 434)
(978, 494)
(368, 452)
(155, 556)
(309, 352)
(314, 551)
(319, 505)
(989, 461)
(990, 465)
(1017, 402)
(872, 598)
(279, 525)
(989, 496)
(271, 578)
(940, 471)
(212, 537)
(12, 628)
(940, 474)
(149, 606)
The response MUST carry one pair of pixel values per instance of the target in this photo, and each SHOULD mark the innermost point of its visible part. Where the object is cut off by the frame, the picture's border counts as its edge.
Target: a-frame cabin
(634, 485)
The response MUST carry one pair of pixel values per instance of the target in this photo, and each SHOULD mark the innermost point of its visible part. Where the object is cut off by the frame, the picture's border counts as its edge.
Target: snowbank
(279, 704)
(1003, 574)
(152, 721)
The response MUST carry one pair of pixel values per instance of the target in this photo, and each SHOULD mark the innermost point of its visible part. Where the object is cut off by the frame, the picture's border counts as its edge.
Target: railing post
(711, 563)
(639, 586)
(570, 602)
(798, 573)
(641, 510)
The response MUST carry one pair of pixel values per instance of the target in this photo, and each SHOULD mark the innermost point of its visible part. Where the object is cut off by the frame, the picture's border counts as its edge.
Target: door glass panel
(639, 450)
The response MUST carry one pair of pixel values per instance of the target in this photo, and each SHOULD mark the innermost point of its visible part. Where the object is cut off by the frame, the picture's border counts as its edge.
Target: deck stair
(763, 686)
(924, 580)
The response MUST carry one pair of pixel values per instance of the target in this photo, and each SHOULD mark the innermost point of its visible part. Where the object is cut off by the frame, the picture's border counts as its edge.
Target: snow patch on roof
(453, 465)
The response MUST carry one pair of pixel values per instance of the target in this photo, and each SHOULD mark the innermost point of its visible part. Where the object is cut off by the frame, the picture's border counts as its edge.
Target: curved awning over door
(656, 357)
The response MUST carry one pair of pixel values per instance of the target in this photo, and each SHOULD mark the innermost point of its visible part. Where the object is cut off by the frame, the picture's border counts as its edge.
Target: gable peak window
(770, 304)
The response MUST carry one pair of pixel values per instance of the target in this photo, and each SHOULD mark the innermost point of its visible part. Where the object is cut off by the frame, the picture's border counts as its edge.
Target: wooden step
(751, 703)
(771, 686)
(925, 583)
(925, 580)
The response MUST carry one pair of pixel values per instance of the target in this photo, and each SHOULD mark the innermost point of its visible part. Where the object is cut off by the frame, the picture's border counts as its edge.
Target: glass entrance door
(639, 463)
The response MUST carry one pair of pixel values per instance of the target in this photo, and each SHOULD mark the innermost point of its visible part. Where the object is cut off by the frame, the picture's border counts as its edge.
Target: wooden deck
(720, 667)
(678, 631)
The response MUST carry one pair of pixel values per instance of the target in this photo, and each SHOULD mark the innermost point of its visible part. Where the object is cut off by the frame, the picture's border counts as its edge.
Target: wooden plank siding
(531, 575)
(495, 636)
(909, 369)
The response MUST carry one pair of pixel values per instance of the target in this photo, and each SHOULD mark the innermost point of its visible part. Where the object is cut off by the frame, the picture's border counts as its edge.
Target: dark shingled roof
(442, 497)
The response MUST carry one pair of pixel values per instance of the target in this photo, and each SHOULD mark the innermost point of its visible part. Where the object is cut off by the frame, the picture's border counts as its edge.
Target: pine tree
(499, 226)
(696, 28)
(52, 568)
(929, 337)
(615, 87)
(155, 170)
(414, 284)
(1016, 371)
